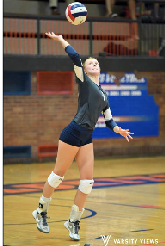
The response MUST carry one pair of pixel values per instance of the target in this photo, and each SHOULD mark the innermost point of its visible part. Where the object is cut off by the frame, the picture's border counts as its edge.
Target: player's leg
(65, 156)
(85, 162)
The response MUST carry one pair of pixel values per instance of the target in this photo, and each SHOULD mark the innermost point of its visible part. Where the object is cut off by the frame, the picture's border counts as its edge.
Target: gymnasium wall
(39, 119)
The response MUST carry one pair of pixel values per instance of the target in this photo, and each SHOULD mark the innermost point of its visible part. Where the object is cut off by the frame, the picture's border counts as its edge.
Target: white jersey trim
(107, 114)
(79, 73)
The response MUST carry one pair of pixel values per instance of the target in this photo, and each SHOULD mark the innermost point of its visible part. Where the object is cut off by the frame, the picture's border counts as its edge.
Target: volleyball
(76, 13)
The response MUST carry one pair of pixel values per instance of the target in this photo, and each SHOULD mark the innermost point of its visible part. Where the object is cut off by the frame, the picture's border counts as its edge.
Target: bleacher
(95, 8)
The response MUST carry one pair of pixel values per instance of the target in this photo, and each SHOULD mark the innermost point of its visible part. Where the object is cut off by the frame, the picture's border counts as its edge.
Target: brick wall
(39, 119)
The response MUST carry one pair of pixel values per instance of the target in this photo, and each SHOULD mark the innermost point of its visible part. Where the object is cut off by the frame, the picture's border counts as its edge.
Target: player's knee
(86, 186)
(54, 180)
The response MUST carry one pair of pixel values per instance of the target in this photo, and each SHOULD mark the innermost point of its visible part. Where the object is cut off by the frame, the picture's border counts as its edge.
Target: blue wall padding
(17, 152)
(16, 83)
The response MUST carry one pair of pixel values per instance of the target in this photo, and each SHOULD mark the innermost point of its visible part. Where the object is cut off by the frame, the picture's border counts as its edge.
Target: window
(49, 83)
(16, 83)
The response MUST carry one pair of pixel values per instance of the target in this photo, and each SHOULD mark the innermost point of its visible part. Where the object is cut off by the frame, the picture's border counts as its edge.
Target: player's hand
(54, 36)
(125, 133)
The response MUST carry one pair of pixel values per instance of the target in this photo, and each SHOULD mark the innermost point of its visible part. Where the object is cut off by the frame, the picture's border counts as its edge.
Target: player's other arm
(71, 53)
(110, 123)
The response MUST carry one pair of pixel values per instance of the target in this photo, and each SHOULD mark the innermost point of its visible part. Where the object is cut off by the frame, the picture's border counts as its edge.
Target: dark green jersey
(91, 102)
(92, 98)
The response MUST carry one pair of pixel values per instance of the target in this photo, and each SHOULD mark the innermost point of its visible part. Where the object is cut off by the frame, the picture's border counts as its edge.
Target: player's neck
(95, 79)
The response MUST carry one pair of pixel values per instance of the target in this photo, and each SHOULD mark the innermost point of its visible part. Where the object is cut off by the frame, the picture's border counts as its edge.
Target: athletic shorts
(76, 135)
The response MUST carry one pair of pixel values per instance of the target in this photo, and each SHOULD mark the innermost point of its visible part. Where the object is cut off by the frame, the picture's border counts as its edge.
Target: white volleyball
(76, 13)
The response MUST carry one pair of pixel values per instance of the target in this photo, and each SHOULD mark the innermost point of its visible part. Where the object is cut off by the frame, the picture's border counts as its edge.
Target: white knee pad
(86, 186)
(54, 180)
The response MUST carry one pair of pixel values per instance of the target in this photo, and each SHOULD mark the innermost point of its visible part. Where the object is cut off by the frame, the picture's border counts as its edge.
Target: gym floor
(127, 204)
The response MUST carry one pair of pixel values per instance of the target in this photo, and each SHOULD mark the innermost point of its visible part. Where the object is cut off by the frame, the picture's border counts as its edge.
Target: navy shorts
(76, 135)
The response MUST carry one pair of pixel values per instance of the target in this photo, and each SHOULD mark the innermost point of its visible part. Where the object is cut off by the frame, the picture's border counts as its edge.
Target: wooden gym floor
(127, 204)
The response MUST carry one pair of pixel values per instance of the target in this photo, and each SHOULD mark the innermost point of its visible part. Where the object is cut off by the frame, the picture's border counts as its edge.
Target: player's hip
(76, 135)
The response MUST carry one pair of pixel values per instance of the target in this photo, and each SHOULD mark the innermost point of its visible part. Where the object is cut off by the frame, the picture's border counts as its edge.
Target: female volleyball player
(76, 140)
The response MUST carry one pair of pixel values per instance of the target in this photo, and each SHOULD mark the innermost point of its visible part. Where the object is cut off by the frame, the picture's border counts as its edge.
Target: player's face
(92, 67)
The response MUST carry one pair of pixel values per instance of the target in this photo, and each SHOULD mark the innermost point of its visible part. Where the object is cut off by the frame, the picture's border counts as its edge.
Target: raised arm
(58, 38)
(71, 53)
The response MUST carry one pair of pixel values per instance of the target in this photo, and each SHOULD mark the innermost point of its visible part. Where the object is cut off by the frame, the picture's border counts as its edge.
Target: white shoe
(42, 224)
(73, 228)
